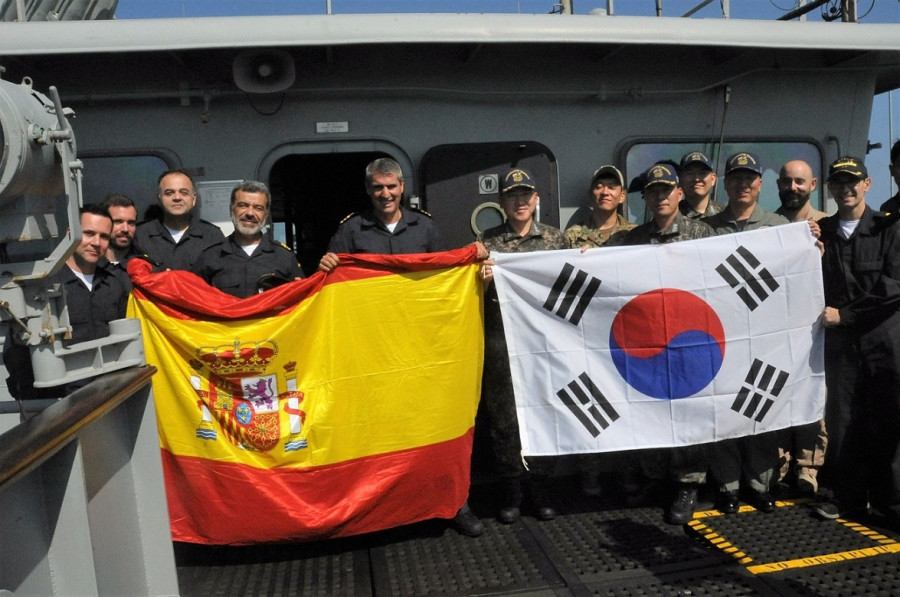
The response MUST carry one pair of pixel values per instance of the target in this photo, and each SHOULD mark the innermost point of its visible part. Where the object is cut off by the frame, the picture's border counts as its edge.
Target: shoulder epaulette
(421, 211)
(148, 259)
(886, 218)
(282, 245)
(350, 215)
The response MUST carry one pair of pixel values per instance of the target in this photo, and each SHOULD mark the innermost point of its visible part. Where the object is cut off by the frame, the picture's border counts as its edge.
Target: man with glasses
(698, 182)
(176, 239)
(248, 261)
(687, 465)
(604, 225)
(861, 275)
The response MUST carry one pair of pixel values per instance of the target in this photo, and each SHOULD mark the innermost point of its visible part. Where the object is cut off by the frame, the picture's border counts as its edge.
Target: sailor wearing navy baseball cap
(661, 173)
(849, 166)
(743, 161)
(516, 177)
(698, 181)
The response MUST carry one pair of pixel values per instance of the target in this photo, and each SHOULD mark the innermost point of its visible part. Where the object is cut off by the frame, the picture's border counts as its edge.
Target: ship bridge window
(131, 175)
(641, 155)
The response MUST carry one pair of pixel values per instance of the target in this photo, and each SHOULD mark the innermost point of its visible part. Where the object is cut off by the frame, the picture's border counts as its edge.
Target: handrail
(29, 444)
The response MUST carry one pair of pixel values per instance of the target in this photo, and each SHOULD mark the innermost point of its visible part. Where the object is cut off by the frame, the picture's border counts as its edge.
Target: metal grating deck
(594, 547)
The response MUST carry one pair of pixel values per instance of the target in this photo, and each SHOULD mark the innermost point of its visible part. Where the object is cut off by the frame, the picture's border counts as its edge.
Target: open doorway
(311, 194)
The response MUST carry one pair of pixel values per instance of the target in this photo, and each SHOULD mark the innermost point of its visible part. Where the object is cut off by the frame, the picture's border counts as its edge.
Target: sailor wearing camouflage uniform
(681, 228)
(686, 466)
(248, 262)
(663, 197)
(604, 225)
(519, 234)
(541, 237)
(698, 181)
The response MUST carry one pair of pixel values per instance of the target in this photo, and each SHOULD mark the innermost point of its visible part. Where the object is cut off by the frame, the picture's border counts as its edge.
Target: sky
(884, 128)
(873, 11)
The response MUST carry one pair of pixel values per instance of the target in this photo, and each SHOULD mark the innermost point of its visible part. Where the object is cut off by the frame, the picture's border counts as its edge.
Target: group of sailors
(860, 248)
(861, 273)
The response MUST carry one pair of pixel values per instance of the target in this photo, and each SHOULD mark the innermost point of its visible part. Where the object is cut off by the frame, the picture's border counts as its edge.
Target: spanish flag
(331, 406)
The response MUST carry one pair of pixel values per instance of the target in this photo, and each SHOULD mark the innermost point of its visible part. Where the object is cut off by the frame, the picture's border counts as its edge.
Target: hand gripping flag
(664, 345)
(330, 406)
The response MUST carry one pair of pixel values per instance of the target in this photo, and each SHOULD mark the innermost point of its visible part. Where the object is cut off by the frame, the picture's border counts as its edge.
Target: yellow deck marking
(745, 508)
(831, 558)
(887, 546)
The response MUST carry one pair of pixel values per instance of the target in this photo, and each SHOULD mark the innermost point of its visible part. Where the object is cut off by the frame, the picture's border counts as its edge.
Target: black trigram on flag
(566, 293)
(761, 388)
(585, 400)
(746, 275)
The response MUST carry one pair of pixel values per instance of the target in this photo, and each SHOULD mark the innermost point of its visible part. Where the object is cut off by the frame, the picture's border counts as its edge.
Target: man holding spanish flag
(388, 229)
(295, 414)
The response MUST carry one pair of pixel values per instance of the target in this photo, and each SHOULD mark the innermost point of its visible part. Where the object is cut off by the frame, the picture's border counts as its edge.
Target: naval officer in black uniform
(175, 240)
(390, 229)
(247, 261)
(387, 228)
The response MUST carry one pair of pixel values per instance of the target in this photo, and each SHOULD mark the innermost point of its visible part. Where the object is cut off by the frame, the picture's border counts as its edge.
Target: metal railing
(82, 497)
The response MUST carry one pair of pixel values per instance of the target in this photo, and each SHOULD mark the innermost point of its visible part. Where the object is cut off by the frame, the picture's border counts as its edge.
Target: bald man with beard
(801, 450)
(796, 184)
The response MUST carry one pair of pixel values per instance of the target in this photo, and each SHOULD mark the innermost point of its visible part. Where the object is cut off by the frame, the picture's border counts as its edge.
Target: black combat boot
(537, 497)
(510, 511)
(467, 523)
(682, 509)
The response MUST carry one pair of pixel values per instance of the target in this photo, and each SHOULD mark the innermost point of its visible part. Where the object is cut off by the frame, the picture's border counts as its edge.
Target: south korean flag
(664, 345)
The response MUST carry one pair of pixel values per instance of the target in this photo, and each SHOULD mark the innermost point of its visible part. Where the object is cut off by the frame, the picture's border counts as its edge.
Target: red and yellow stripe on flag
(326, 407)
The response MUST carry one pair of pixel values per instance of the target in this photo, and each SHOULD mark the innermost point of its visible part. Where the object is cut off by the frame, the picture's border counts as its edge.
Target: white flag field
(623, 348)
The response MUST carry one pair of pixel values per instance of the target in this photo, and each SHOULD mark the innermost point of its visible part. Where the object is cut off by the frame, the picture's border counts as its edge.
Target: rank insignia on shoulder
(147, 258)
(888, 216)
(347, 217)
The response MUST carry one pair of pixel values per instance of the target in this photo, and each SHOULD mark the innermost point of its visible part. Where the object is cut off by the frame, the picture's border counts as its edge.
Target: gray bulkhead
(453, 98)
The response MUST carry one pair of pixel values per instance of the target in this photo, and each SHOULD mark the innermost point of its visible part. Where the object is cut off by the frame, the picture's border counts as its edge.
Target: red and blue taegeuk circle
(667, 343)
